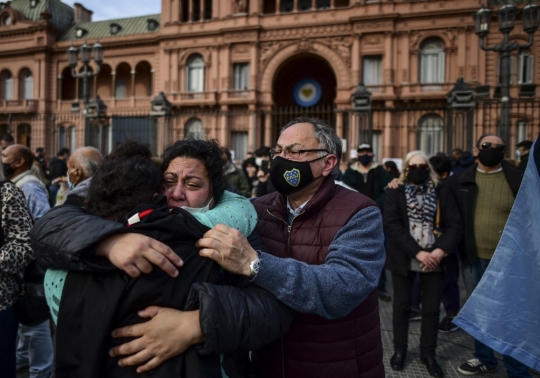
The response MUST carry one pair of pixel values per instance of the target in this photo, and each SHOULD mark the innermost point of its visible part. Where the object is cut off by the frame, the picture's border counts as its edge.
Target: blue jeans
(515, 369)
(35, 347)
(8, 335)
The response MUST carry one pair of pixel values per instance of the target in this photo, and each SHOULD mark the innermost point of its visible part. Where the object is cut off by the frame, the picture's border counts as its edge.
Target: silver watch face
(254, 266)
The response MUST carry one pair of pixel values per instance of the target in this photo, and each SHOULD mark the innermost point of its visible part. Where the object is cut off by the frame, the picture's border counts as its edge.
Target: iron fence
(404, 126)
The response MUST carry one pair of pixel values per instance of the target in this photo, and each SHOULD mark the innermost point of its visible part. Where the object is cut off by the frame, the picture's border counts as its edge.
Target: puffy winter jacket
(237, 316)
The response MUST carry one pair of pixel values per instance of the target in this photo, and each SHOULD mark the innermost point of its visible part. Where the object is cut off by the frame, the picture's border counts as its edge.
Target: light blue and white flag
(504, 310)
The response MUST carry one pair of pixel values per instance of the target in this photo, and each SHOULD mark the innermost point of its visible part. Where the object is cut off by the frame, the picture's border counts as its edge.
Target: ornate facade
(238, 70)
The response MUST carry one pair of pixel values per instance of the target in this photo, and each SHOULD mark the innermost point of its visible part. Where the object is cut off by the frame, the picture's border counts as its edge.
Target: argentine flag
(504, 310)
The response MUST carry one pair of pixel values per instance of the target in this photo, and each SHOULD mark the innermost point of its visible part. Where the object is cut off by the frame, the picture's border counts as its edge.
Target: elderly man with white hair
(81, 166)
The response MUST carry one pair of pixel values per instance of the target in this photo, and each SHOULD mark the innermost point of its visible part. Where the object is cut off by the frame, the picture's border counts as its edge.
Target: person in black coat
(423, 225)
(68, 238)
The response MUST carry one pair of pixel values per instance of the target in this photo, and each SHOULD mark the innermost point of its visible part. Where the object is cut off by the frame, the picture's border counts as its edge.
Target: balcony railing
(238, 97)
(24, 106)
(193, 98)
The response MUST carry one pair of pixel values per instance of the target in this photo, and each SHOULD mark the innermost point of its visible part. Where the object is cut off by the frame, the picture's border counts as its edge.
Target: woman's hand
(169, 333)
(438, 254)
(427, 261)
(393, 184)
(136, 254)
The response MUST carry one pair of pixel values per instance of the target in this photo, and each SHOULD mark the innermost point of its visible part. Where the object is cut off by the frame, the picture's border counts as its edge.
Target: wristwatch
(254, 267)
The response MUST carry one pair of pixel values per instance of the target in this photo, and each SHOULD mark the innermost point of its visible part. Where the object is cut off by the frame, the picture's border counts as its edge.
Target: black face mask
(418, 176)
(491, 157)
(8, 169)
(289, 176)
(365, 160)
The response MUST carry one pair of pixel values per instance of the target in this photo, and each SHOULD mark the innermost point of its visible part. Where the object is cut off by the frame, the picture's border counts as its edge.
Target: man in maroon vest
(324, 259)
(325, 256)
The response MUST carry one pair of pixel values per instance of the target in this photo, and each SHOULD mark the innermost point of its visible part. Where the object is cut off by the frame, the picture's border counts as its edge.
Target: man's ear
(329, 164)
(19, 163)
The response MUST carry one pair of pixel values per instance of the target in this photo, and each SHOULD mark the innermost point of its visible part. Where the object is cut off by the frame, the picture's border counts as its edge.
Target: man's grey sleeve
(350, 273)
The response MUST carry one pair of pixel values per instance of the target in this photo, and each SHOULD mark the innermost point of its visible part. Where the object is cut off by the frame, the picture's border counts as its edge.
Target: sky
(112, 9)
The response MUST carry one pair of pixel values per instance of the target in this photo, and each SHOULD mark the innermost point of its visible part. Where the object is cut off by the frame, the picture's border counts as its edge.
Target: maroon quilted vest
(314, 346)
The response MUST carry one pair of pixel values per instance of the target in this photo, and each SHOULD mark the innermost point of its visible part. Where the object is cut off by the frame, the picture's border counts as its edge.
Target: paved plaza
(453, 349)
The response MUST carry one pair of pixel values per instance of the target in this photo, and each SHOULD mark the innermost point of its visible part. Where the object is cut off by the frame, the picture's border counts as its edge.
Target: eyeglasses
(486, 145)
(412, 167)
(292, 153)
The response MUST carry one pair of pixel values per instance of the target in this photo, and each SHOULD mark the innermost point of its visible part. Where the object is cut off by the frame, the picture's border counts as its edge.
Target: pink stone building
(239, 70)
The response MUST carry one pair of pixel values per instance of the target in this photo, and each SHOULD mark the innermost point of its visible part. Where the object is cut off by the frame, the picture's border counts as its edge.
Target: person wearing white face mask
(81, 166)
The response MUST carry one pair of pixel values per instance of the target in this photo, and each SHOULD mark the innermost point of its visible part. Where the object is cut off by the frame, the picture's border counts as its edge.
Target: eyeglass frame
(288, 151)
(498, 146)
(413, 167)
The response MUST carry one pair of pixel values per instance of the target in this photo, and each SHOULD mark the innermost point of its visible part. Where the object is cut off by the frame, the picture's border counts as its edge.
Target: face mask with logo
(70, 184)
(491, 157)
(195, 210)
(289, 176)
(365, 160)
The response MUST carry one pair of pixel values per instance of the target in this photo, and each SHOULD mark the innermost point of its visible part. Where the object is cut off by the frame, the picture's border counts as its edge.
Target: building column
(152, 78)
(223, 138)
(295, 6)
(175, 12)
(255, 7)
(278, 6)
(175, 85)
(253, 66)
(215, 9)
(268, 128)
(388, 71)
(253, 127)
(133, 83)
(202, 10)
(339, 124)
(313, 4)
(332, 4)
(59, 88)
(355, 59)
(190, 11)
(113, 79)
(226, 71)
(387, 133)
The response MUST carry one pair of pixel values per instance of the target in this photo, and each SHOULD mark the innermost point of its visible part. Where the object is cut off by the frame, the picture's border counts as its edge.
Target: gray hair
(325, 135)
(89, 159)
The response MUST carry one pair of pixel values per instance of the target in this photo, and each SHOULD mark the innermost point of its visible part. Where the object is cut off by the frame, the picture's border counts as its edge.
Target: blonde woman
(418, 209)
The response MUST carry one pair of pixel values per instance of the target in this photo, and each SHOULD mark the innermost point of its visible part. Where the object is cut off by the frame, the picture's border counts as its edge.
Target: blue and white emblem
(307, 92)
(292, 177)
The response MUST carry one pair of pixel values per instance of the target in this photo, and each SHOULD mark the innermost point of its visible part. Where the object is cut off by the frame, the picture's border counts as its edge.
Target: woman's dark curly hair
(121, 184)
(206, 151)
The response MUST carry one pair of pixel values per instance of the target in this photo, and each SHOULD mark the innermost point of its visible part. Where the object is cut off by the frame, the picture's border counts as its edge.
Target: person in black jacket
(67, 239)
(423, 225)
(57, 170)
(522, 152)
(485, 194)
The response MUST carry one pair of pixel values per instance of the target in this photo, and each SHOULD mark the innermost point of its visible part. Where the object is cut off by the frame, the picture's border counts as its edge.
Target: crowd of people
(194, 265)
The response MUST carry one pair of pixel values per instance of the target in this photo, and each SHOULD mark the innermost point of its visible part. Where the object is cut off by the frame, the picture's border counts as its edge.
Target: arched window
(27, 85)
(432, 61)
(431, 134)
(7, 81)
(194, 129)
(195, 74)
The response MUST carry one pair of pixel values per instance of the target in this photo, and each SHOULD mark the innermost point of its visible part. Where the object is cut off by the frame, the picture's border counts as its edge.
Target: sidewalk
(453, 348)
